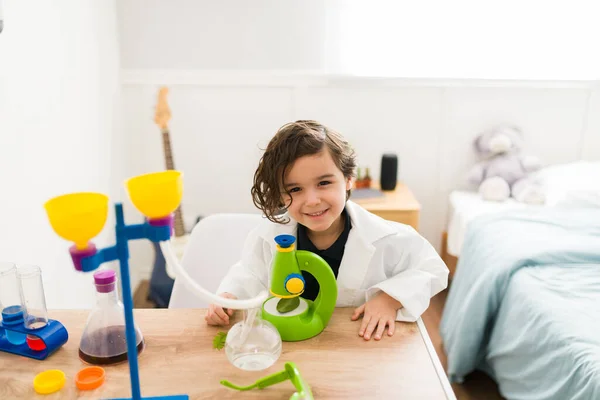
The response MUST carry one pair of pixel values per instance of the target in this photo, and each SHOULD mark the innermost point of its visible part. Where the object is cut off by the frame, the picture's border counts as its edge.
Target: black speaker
(389, 172)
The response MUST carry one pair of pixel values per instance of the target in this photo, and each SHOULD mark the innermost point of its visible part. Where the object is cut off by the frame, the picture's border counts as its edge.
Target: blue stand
(120, 252)
(53, 334)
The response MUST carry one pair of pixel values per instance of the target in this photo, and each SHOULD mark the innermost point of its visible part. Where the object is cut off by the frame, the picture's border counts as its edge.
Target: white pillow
(581, 199)
(575, 184)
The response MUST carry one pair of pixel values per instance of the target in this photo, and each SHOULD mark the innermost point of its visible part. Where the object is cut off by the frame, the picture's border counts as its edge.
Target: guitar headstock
(162, 114)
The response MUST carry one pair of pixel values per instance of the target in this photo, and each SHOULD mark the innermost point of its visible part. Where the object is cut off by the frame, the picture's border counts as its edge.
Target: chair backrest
(215, 244)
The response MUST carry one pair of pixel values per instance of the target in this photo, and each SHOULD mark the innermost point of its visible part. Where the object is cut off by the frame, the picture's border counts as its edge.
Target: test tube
(33, 298)
(10, 298)
(35, 314)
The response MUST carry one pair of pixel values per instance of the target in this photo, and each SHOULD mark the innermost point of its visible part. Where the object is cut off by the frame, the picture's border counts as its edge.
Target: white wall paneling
(591, 140)
(222, 119)
(551, 119)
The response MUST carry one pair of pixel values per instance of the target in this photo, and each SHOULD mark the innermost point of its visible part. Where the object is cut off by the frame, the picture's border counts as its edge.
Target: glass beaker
(33, 298)
(104, 341)
(253, 344)
(10, 298)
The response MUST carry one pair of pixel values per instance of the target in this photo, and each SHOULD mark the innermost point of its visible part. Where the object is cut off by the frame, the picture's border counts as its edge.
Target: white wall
(512, 39)
(59, 84)
(230, 34)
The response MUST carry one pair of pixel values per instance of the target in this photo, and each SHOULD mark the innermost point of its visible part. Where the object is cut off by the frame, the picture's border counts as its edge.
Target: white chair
(215, 244)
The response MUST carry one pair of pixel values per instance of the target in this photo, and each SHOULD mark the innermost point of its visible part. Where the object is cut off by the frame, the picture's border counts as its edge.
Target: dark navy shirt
(333, 255)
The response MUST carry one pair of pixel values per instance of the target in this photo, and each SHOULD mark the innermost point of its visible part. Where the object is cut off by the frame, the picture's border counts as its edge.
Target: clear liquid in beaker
(254, 361)
(253, 344)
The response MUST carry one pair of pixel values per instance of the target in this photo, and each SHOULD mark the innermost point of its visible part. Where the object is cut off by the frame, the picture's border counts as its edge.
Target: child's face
(318, 189)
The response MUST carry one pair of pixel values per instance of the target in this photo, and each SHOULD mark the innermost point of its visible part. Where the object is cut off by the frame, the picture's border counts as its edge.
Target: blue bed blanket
(545, 343)
(496, 247)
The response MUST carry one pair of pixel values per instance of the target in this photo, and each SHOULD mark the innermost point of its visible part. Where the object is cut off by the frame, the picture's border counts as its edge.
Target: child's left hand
(379, 312)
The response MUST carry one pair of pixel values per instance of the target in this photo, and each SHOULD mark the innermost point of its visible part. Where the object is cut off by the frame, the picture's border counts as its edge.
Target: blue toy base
(53, 334)
(174, 397)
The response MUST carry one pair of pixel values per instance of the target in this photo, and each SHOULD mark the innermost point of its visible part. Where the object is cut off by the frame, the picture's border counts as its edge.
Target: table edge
(437, 365)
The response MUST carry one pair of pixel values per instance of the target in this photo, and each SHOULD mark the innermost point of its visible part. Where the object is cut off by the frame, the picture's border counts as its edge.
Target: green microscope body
(301, 319)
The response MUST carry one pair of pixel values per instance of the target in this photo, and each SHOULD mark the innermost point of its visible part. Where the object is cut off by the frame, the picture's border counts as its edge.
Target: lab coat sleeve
(249, 276)
(419, 275)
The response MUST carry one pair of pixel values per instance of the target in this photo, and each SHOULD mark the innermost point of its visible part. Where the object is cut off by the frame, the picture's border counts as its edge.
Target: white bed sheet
(464, 207)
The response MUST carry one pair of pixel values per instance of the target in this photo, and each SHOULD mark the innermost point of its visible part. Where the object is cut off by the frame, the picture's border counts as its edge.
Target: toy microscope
(294, 317)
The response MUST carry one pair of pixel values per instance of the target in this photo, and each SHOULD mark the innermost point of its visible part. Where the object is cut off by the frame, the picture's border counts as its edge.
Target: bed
(524, 302)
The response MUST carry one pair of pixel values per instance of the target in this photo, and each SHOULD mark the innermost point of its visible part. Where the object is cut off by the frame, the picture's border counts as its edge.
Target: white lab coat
(380, 255)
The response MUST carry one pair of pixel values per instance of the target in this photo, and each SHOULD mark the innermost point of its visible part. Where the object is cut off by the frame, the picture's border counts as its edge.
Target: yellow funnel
(78, 217)
(156, 195)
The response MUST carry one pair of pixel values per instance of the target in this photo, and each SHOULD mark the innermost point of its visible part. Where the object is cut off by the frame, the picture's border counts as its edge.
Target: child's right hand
(216, 315)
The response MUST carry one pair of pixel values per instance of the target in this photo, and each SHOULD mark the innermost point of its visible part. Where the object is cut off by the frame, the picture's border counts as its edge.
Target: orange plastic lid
(89, 378)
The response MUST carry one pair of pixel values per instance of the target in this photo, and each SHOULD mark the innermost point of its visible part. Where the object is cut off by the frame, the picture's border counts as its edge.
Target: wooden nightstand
(399, 205)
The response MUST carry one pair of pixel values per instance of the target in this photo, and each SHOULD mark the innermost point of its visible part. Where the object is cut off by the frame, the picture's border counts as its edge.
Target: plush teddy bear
(503, 171)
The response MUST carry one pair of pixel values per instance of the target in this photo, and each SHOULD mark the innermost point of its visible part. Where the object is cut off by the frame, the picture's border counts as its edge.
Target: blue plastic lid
(285, 241)
(12, 315)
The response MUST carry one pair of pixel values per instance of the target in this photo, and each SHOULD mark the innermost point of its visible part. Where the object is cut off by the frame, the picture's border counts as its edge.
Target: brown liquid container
(104, 341)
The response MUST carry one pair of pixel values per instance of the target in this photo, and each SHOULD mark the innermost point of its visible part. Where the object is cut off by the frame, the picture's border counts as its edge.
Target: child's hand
(379, 312)
(216, 315)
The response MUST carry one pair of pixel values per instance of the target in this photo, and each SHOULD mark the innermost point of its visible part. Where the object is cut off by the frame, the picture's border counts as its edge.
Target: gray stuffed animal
(503, 171)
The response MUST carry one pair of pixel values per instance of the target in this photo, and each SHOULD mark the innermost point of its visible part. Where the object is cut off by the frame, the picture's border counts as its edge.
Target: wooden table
(179, 359)
(398, 205)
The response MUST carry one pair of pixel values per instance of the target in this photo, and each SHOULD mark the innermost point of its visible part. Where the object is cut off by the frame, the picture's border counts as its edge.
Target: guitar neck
(169, 164)
(179, 226)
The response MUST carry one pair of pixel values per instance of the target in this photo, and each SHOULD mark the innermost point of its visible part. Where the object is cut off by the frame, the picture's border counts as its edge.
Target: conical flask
(104, 341)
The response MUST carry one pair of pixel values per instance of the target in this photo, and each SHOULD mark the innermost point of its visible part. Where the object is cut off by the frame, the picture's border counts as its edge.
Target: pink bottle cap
(105, 280)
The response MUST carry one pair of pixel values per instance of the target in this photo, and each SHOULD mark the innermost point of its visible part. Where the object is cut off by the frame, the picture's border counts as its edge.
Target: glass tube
(35, 314)
(10, 298)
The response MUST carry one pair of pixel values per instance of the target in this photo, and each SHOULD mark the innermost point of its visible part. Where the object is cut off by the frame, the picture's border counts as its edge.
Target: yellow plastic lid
(49, 381)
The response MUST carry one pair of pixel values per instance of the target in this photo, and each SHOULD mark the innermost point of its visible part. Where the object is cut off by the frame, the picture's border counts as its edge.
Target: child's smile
(317, 214)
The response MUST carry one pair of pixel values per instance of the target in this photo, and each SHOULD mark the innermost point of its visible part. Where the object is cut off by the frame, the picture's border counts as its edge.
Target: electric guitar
(161, 284)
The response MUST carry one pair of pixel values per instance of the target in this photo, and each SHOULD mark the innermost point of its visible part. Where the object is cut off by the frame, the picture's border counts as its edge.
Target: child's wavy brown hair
(292, 141)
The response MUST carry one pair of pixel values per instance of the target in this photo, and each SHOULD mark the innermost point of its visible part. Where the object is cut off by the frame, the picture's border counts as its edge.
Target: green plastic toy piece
(219, 340)
(291, 372)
